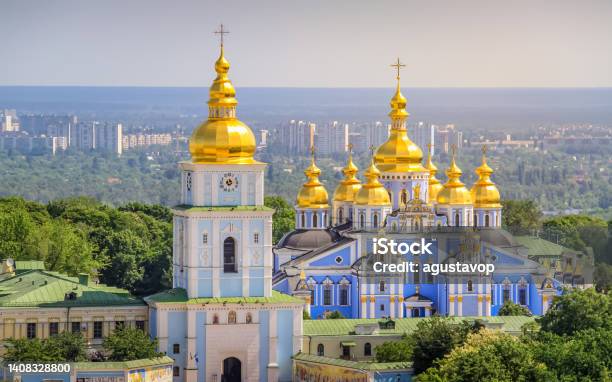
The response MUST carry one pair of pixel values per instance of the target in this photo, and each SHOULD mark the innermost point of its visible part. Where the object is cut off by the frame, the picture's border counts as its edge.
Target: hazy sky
(314, 43)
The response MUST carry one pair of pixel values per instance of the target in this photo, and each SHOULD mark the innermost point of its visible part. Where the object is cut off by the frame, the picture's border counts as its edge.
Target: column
(392, 306)
(268, 260)
(479, 305)
(298, 331)
(245, 256)
(400, 306)
(460, 306)
(451, 305)
(216, 257)
(192, 256)
(488, 305)
(273, 363)
(372, 307)
(427, 311)
(191, 370)
(364, 307)
(162, 330)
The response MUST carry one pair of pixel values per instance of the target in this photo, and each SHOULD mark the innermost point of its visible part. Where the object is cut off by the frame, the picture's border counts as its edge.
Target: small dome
(454, 191)
(350, 185)
(373, 193)
(222, 138)
(434, 185)
(484, 192)
(309, 239)
(312, 194)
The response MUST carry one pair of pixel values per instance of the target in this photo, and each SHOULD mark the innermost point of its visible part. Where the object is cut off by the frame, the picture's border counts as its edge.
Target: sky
(314, 43)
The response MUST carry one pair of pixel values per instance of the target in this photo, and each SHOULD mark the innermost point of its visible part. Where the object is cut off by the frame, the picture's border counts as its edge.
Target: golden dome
(312, 194)
(222, 138)
(372, 192)
(484, 192)
(350, 185)
(434, 186)
(399, 153)
(454, 191)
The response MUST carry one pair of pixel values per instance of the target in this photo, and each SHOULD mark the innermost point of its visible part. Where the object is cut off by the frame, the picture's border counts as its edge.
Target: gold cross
(484, 149)
(221, 32)
(429, 148)
(312, 150)
(398, 65)
(372, 150)
(350, 147)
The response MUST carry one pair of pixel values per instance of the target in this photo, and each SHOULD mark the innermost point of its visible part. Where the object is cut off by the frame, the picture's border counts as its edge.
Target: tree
(394, 351)
(489, 356)
(520, 217)
(65, 347)
(578, 232)
(511, 309)
(578, 310)
(128, 344)
(434, 338)
(603, 277)
(333, 315)
(283, 220)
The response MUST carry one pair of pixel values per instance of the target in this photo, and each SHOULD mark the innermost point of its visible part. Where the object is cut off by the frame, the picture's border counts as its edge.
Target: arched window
(362, 220)
(215, 319)
(404, 197)
(367, 349)
(381, 286)
(457, 220)
(487, 220)
(229, 255)
(303, 219)
(375, 220)
(249, 318)
(340, 217)
(344, 293)
(205, 238)
(475, 220)
(416, 312)
(315, 220)
(470, 286)
(231, 317)
(320, 350)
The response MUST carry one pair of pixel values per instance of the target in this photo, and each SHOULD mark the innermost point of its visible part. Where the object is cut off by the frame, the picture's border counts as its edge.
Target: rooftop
(366, 366)
(344, 327)
(136, 364)
(541, 247)
(179, 295)
(40, 288)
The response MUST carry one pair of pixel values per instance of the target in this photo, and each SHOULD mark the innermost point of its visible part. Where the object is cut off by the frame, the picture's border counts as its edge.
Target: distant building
(135, 141)
(94, 135)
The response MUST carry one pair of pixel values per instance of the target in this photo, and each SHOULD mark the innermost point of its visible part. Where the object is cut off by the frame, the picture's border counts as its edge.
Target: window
(97, 329)
(523, 296)
(346, 352)
(256, 238)
(140, 325)
(375, 220)
(75, 327)
(457, 220)
(404, 197)
(487, 220)
(338, 260)
(176, 348)
(229, 255)
(340, 215)
(475, 220)
(470, 286)
(231, 317)
(249, 318)
(119, 325)
(215, 319)
(315, 220)
(416, 312)
(344, 295)
(53, 329)
(382, 307)
(176, 371)
(506, 295)
(320, 350)
(303, 219)
(381, 286)
(367, 349)
(204, 238)
(362, 220)
(327, 295)
(31, 330)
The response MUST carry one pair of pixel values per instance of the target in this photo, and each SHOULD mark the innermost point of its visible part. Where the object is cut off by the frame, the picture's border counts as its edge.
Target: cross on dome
(221, 32)
(398, 66)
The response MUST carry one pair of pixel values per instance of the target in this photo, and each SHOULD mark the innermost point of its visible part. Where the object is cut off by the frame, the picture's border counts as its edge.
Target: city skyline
(474, 44)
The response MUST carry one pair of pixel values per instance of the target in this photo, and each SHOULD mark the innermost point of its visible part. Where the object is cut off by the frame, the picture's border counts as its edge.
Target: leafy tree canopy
(511, 309)
(127, 344)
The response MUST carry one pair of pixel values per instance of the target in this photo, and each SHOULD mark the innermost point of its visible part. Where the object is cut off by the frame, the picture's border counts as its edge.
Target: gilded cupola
(434, 186)
(484, 192)
(372, 192)
(398, 153)
(350, 185)
(222, 138)
(454, 191)
(312, 194)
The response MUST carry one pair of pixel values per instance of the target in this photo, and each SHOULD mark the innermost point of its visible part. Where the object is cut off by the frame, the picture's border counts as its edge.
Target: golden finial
(221, 32)
(484, 150)
(350, 148)
(398, 66)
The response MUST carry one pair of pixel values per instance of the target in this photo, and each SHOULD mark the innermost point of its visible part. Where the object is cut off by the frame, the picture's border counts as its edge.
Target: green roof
(186, 207)
(365, 366)
(136, 364)
(179, 295)
(39, 288)
(540, 247)
(345, 327)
